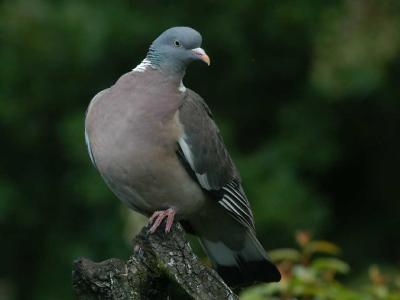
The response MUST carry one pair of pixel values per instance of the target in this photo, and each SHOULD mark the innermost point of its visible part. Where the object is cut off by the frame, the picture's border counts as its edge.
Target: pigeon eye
(177, 43)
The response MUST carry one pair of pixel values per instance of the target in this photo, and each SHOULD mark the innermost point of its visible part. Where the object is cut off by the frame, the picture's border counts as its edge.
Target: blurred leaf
(261, 292)
(322, 247)
(354, 46)
(285, 254)
(375, 275)
(330, 264)
(304, 274)
(303, 238)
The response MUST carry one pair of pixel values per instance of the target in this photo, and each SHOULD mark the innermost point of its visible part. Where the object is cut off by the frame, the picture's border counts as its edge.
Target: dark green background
(306, 94)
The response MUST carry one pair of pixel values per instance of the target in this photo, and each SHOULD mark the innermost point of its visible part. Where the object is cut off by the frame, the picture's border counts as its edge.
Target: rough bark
(158, 259)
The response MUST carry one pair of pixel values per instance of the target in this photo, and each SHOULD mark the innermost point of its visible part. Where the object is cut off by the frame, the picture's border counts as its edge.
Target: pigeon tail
(241, 267)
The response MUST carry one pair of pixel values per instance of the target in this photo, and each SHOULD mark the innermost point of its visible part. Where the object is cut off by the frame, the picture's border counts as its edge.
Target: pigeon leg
(158, 216)
(170, 220)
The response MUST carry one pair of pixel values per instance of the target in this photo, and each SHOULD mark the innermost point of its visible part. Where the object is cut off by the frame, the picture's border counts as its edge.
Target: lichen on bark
(158, 259)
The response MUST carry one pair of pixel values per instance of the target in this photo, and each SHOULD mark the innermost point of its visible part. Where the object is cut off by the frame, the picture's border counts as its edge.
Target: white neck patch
(182, 88)
(142, 66)
(147, 63)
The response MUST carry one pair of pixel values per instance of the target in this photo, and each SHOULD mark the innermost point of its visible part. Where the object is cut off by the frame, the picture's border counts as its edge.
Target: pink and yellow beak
(201, 54)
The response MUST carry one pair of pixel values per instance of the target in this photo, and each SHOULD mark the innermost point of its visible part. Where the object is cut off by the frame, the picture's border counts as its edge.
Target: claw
(157, 218)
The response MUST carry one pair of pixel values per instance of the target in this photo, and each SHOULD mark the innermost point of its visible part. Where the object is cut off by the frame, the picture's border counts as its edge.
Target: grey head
(175, 49)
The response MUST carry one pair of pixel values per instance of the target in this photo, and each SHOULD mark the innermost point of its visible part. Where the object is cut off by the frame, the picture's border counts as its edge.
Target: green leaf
(322, 247)
(284, 254)
(261, 292)
(330, 264)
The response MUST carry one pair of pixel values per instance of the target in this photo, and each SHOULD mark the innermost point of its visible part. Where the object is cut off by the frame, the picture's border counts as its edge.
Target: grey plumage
(157, 147)
(204, 149)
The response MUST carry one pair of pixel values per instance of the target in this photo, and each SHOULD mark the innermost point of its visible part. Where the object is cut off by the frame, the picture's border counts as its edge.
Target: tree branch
(158, 259)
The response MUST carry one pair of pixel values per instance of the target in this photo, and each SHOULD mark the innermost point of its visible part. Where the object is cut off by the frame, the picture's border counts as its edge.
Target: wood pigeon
(158, 149)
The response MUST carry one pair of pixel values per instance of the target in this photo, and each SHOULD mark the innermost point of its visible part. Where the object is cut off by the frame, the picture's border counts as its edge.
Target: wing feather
(204, 152)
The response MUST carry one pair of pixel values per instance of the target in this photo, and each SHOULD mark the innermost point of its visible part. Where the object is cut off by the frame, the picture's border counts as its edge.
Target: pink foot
(158, 216)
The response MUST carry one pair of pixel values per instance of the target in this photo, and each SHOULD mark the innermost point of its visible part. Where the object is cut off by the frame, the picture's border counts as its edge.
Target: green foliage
(312, 272)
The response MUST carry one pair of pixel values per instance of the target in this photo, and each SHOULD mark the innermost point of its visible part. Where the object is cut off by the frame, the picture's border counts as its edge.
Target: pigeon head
(175, 49)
